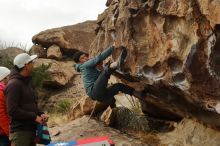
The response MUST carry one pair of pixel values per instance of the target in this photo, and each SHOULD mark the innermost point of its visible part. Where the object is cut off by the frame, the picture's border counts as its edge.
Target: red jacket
(4, 119)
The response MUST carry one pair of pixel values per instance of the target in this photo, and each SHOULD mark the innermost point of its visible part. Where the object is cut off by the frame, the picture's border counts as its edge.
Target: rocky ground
(186, 133)
(85, 128)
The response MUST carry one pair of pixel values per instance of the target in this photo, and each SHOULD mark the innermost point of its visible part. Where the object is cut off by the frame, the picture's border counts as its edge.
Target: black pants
(103, 93)
(4, 141)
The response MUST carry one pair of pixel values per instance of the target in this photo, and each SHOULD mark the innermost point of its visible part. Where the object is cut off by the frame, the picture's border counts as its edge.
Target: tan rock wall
(172, 50)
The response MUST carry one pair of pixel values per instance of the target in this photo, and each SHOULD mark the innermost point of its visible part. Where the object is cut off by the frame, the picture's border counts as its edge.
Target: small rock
(54, 52)
(108, 116)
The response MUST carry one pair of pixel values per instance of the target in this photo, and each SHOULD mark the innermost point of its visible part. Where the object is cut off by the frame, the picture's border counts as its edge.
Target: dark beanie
(77, 55)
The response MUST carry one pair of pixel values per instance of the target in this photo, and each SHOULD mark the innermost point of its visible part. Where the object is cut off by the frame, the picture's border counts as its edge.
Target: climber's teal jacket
(89, 72)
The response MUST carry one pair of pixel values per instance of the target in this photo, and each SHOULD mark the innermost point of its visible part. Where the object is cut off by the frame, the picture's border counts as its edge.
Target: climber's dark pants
(103, 93)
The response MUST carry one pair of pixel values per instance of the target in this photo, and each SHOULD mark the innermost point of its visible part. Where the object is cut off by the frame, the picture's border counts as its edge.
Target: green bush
(5, 60)
(63, 106)
(128, 120)
(40, 75)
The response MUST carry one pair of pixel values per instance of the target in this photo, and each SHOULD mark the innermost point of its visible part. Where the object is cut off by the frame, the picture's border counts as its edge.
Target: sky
(22, 19)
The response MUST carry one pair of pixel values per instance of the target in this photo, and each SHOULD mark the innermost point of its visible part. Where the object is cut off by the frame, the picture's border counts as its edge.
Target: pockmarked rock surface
(173, 52)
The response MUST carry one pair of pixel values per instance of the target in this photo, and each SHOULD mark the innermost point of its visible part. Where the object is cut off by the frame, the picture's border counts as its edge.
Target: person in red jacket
(4, 119)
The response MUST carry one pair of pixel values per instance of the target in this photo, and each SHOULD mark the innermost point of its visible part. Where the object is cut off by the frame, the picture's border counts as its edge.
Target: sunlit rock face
(173, 51)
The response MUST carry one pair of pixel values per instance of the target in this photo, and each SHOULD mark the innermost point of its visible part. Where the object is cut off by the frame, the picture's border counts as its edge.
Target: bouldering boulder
(173, 52)
(68, 38)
